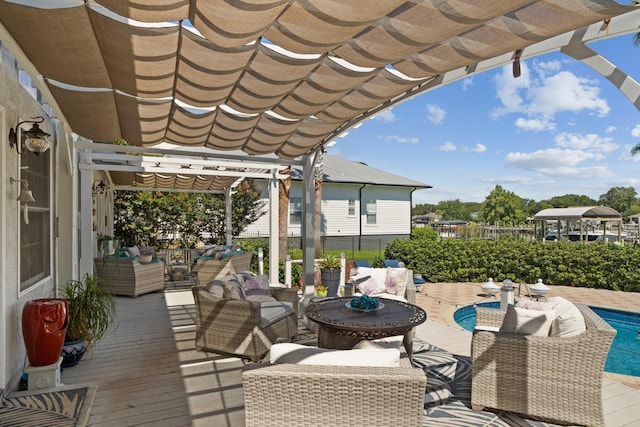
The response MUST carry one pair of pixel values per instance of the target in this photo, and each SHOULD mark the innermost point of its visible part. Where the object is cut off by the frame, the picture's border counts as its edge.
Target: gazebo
(580, 214)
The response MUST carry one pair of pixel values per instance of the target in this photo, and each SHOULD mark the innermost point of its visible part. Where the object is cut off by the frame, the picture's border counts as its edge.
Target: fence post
(343, 268)
(287, 271)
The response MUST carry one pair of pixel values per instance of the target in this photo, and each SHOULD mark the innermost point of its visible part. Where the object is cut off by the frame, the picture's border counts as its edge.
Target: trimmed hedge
(593, 265)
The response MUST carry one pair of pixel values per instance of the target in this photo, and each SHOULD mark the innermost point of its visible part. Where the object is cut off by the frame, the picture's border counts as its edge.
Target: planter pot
(72, 353)
(321, 293)
(44, 324)
(145, 259)
(331, 279)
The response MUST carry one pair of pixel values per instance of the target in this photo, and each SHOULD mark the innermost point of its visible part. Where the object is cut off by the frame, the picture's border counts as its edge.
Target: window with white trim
(352, 207)
(295, 210)
(372, 211)
(35, 237)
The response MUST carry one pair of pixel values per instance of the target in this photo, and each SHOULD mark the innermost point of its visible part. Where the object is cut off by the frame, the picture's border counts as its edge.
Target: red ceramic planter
(44, 324)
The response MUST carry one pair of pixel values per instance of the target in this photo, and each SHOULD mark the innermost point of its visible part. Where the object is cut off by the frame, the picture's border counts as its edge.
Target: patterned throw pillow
(396, 281)
(256, 288)
(233, 290)
(370, 281)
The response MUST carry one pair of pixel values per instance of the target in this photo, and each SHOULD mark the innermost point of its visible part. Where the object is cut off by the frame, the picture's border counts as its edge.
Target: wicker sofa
(553, 378)
(208, 269)
(333, 395)
(233, 327)
(125, 276)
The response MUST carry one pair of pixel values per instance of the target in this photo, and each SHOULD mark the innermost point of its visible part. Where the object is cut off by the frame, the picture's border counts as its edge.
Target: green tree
(569, 200)
(504, 206)
(452, 209)
(423, 209)
(619, 198)
(142, 216)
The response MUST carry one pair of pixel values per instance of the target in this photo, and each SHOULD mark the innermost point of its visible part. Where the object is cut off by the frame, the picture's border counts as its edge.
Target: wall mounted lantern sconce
(25, 196)
(35, 138)
(99, 187)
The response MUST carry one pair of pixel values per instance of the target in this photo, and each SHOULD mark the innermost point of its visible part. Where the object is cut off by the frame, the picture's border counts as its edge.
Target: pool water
(624, 354)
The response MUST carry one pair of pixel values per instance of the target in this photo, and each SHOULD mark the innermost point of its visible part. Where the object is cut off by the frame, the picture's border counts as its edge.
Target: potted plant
(330, 271)
(92, 310)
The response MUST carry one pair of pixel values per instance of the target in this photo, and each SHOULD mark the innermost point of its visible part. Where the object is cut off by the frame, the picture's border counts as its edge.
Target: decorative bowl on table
(364, 303)
(145, 259)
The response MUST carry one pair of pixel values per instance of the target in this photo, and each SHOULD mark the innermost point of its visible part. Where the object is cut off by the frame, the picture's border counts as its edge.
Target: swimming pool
(624, 352)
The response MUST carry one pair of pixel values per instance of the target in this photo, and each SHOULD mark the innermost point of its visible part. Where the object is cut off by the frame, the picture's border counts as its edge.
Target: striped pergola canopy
(280, 77)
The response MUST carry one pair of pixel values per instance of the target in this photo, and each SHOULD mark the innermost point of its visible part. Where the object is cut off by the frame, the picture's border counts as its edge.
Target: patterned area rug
(447, 400)
(65, 406)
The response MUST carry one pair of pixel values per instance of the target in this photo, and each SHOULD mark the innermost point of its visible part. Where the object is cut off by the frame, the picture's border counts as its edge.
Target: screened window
(352, 207)
(371, 212)
(35, 237)
(295, 210)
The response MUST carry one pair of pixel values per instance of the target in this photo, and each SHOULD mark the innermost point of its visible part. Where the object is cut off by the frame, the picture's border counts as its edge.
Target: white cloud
(589, 142)
(435, 114)
(547, 159)
(386, 116)
(565, 91)
(520, 180)
(400, 139)
(447, 146)
(575, 172)
(547, 93)
(635, 132)
(535, 124)
(611, 129)
(479, 148)
(466, 83)
(626, 155)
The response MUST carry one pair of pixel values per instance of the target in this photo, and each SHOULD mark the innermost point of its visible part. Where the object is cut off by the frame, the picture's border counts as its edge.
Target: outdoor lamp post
(506, 295)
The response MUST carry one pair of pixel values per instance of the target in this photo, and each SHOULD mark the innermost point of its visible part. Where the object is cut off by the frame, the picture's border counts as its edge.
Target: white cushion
(527, 322)
(569, 322)
(305, 355)
(389, 342)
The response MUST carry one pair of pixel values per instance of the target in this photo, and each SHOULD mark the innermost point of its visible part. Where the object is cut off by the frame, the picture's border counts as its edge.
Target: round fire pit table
(341, 327)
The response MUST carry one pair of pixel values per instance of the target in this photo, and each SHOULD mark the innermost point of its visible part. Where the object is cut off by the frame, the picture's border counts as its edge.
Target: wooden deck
(148, 372)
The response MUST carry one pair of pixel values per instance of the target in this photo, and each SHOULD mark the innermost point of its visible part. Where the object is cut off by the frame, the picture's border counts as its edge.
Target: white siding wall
(393, 210)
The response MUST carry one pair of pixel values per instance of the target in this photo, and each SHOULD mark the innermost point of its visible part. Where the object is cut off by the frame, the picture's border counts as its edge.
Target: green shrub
(594, 265)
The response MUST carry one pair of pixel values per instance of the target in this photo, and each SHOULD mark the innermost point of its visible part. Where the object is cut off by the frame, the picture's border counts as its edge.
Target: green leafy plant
(92, 310)
(329, 262)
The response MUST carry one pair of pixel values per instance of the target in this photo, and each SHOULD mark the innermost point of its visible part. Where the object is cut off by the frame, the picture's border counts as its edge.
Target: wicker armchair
(314, 395)
(208, 269)
(227, 326)
(552, 378)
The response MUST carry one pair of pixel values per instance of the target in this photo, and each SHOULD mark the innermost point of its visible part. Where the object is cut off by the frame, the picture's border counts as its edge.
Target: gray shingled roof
(338, 169)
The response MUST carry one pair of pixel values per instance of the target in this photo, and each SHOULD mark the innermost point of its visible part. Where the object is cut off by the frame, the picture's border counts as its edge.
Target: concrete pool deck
(441, 300)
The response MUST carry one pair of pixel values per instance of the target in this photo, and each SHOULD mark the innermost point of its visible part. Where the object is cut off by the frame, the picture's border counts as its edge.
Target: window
(352, 207)
(35, 237)
(295, 211)
(371, 212)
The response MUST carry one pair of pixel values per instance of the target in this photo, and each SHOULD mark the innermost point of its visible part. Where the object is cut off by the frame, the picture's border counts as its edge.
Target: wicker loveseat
(233, 327)
(125, 276)
(553, 378)
(317, 395)
(208, 269)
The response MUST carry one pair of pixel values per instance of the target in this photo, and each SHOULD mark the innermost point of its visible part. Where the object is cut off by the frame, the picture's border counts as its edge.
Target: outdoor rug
(447, 399)
(65, 406)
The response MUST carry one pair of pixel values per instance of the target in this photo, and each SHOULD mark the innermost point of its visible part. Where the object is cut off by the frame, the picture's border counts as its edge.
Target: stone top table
(341, 327)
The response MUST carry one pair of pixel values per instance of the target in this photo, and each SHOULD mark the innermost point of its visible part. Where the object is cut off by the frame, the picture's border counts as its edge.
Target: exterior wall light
(35, 138)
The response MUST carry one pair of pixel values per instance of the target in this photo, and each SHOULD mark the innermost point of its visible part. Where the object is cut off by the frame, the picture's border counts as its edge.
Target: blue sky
(560, 128)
